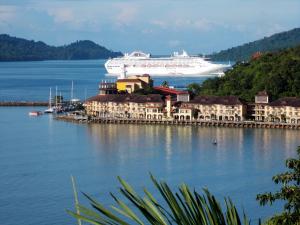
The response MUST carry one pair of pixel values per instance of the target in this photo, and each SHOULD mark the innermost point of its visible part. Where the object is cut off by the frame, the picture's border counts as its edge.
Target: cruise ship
(183, 64)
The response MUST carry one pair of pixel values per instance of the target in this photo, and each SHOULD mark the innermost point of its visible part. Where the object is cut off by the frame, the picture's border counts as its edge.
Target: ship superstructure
(177, 65)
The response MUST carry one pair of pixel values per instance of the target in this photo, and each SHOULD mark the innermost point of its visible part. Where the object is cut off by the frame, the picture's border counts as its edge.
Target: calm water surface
(38, 155)
(25, 81)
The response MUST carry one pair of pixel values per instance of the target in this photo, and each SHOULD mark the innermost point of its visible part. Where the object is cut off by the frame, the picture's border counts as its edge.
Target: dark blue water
(38, 155)
(25, 81)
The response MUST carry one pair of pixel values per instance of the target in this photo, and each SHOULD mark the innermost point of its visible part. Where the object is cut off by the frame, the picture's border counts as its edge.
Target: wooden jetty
(203, 123)
(23, 103)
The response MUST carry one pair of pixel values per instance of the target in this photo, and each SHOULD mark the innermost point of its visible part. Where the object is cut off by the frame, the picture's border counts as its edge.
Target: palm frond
(184, 207)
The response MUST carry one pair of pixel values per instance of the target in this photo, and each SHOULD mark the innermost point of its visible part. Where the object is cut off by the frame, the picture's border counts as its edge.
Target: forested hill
(277, 73)
(18, 49)
(268, 44)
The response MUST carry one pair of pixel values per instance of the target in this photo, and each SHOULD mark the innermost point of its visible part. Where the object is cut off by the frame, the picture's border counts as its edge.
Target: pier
(201, 123)
(23, 103)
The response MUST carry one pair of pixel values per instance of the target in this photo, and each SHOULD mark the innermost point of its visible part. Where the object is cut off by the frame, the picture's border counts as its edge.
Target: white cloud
(89, 17)
(199, 24)
(174, 43)
(126, 14)
(203, 24)
(147, 31)
(7, 13)
(62, 15)
(159, 23)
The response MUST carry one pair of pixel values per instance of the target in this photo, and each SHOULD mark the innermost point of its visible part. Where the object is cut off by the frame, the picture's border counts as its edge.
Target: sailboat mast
(56, 96)
(72, 88)
(50, 99)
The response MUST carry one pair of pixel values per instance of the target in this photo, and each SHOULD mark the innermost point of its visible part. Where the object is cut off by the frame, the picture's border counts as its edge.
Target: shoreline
(200, 123)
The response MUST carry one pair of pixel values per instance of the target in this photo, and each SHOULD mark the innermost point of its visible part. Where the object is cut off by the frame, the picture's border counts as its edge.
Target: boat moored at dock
(35, 113)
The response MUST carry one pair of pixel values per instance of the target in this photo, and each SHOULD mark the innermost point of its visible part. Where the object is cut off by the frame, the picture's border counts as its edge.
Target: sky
(154, 26)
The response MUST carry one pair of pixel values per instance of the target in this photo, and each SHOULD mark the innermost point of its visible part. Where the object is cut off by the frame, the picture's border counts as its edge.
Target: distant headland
(272, 43)
(19, 49)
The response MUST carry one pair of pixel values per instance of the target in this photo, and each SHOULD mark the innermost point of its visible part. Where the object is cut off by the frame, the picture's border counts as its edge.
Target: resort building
(133, 83)
(184, 113)
(154, 106)
(221, 108)
(283, 110)
(258, 109)
(172, 104)
(125, 106)
(107, 87)
(177, 95)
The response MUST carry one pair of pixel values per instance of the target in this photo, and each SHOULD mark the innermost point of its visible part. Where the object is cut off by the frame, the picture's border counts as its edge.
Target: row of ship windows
(118, 66)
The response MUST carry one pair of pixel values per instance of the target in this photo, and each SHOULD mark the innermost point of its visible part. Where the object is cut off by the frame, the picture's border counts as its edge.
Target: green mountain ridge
(19, 49)
(277, 73)
(273, 43)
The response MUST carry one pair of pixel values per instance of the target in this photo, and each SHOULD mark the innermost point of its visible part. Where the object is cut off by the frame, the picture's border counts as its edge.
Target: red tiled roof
(221, 100)
(167, 90)
(262, 93)
(129, 80)
(287, 101)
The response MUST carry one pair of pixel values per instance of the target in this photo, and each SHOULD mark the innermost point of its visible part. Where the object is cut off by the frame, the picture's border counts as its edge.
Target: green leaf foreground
(289, 193)
(188, 207)
(185, 207)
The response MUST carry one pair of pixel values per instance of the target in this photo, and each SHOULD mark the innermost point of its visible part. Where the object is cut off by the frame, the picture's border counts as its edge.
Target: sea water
(31, 81)
(39, 154)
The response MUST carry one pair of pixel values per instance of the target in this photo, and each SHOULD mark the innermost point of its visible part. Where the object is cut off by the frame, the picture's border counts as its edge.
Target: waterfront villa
(176, 95)
(177, 105)
(125, 106)
(220, 108)
(159, 107)
(133, 83)
(283, 110)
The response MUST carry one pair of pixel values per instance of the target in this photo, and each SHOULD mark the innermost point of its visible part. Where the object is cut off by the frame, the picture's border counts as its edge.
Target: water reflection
(113, 137)
(264, 140)
(177, 150)
(240, 165)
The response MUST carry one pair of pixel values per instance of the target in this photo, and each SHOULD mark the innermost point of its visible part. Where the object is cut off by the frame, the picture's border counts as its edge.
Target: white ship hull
(173, 66)
(163, 71)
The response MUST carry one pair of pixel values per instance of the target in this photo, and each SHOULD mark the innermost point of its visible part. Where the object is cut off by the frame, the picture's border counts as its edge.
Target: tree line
(267, 44)
(18, 49)
(278, 73)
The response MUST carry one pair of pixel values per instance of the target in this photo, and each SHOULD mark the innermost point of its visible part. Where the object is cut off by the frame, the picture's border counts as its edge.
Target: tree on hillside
(194, 88)
(165, 83)
(289, 193)
(277, 73)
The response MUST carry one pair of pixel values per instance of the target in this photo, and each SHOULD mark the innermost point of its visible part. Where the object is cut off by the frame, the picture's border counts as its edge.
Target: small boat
(35, 113)
(215, 142)
(50, 109)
